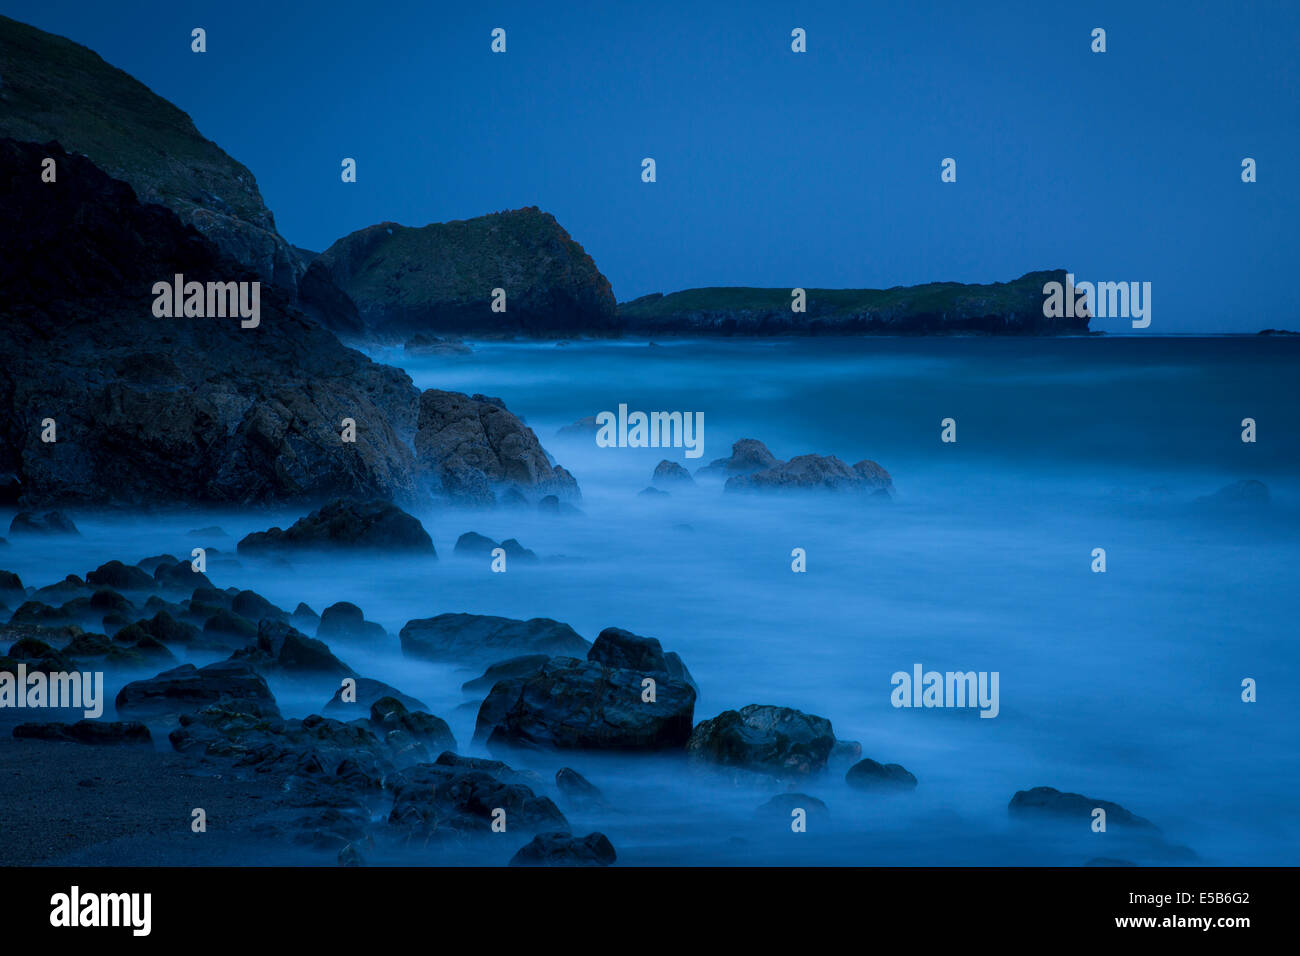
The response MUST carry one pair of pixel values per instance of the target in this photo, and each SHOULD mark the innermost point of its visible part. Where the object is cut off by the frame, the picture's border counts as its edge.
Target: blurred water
(1123, 686)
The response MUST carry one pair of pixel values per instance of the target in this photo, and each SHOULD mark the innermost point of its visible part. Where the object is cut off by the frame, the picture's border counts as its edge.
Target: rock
(362, 526)
(563, 849)
(453, 799)
(97, 645)
(10, 583)
(474, 545)
(816, 472)
(282, 649)
(517, 552)
(615, 647)
(87, 732)
(390, 718)
(580, 791)
(37, 655)
(187, 688)
(180, 576)
(254, 607)
(51, 522)
(526, 665)
(747, 455)
(123, 577)
(1048, 802)
(304, 616)
(369, 691)
(226, 627)
(551, 504)
(775, 740)
(437, 279)
(180, 409)
(652, 492)
(167, 629)
(670, 473)
(145, 644)
(782, 806)
(475, 450)
(845, 752)
(486, 638)
(150, 565)
(38, 614)
(869, 775)
(344, 620)
(583, 705)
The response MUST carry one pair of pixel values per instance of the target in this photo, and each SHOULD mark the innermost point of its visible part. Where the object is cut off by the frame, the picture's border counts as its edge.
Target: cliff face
(58, 90)
(155, 410)
(1001, 308)
(439, 278)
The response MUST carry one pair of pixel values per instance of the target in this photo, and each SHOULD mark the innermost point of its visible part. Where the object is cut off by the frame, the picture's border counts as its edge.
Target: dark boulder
(456, 798)
(353, 525)
(282, 649)
(1050, 803)
(671, 473)
(747, 455)
(778, 740)
(344, 620)
(869, 775)
(523, 666)
(583, 705)
(122, 577)
(367, 692)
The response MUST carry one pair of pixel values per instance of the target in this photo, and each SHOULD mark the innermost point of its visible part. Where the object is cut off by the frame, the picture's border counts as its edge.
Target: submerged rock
(345, 620)
(368, 691)
(1048, 802)
(816, 472)
(282, 649)
(577, 788)
(671, 473)
(354, 525)
(869, 775)
(457, 798)
(122, 577)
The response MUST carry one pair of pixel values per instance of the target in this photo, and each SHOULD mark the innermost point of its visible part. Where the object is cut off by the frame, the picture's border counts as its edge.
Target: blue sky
(774, 168)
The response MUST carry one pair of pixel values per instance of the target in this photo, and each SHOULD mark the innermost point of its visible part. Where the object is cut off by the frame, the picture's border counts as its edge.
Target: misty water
(1124, 686)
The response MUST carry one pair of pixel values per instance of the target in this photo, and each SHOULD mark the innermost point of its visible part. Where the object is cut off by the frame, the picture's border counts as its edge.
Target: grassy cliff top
(54, 89)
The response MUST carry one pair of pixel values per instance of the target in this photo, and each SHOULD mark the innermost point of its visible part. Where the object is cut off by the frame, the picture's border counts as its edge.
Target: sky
(774, 168)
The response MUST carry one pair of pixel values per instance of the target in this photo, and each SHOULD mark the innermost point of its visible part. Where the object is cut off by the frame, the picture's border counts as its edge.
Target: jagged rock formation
(439, 278)
(1001, 308)
(154, 410)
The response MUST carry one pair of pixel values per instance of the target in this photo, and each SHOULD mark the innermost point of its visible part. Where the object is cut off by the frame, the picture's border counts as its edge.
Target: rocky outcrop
(670, 473)
(999, 308)
(472, 450)
(439, 278)
(778, 740)
(150, 409)
(456, 796)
